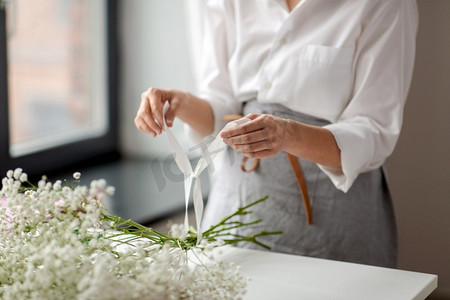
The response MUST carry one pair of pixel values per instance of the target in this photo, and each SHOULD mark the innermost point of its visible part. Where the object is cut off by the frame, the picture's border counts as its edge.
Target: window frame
(86, 151)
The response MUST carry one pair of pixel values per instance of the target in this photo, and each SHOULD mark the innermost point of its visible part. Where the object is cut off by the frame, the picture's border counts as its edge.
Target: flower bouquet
(58, 241)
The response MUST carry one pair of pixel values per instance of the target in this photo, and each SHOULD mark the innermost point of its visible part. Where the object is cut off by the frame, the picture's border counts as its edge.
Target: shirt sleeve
(214, 79)
(367, 130)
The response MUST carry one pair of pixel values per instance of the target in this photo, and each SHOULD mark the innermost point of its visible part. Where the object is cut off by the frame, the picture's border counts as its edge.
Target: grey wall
(419, 169)
(154, 52)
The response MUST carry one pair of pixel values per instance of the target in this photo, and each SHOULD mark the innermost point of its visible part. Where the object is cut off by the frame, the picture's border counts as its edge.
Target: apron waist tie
(296, 168)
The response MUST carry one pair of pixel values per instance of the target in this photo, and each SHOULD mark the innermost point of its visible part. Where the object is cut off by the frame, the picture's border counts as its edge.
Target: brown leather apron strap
(229, 118)
(252, 167)
(295, 168)
(302, 184)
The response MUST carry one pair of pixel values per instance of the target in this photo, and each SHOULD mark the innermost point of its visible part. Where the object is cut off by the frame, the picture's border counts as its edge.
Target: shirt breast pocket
(324, 79)
(317, 55)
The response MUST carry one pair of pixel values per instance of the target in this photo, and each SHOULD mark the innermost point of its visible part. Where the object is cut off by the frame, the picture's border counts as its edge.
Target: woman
(325, 81)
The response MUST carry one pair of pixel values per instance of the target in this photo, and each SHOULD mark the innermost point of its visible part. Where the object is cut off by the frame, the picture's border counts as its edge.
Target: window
(57, 83)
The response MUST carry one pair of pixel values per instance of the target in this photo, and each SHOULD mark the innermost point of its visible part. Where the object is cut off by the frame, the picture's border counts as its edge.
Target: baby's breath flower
(57, 185)
(41, 184)
(17, 173)
(178, 231)
(56, 242)
(110, 190)
(77, 175)
(101, 184)
(23, 177)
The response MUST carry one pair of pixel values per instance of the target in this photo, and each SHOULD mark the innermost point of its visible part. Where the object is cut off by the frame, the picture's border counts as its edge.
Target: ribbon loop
(212, 150)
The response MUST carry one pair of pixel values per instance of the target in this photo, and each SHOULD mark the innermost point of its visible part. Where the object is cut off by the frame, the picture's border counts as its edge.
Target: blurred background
(71, 76)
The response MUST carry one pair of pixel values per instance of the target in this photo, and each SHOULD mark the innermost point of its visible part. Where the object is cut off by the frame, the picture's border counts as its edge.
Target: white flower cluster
(179, 231)
(54, 244)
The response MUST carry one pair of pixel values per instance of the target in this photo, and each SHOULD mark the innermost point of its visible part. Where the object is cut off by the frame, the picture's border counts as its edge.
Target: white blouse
(347, 61)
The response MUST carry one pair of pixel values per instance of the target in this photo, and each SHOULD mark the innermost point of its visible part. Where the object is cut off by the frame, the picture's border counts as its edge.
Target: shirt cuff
(356, 151)
(219, 109)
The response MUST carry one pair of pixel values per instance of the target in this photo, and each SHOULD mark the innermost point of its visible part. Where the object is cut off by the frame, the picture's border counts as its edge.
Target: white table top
(281, 276)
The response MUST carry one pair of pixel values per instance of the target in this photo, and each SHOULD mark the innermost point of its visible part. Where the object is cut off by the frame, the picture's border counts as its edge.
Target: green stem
(221, 229)
(240, 211)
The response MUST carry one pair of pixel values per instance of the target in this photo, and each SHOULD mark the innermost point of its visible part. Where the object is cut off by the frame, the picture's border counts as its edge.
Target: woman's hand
(194, 111)
(266, 135)
(149, 117)
(263, 136)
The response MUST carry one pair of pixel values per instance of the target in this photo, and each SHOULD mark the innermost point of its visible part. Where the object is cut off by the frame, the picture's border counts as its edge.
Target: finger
(151, 123)
(145, 112)
(260, 154)
(254, 125)
(257, 122)
(142, 126)
(171, 112)
(156, 99)
(170, 116)
(144, 109)
(252, 116)
(254, 147)
(248, 138)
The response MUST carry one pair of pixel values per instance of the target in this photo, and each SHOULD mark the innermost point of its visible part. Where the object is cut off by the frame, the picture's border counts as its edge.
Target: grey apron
(357, 226)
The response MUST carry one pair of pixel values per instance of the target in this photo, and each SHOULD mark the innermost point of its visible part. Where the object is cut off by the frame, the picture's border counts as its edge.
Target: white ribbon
(183, 163)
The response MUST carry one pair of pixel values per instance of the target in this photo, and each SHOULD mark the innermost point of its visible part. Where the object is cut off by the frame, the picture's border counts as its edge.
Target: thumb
(252, 116)
(170, 114)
